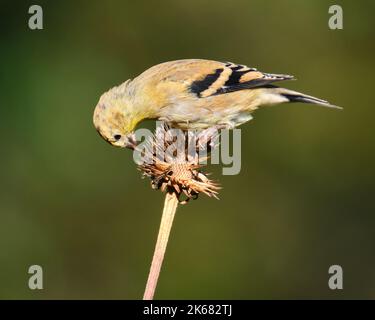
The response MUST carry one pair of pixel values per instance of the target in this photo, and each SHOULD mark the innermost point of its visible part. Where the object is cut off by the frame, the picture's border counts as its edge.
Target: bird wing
(205, 78)
(241, 77)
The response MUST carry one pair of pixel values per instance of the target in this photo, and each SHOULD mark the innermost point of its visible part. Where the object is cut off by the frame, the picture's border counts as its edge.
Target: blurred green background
(78, 207)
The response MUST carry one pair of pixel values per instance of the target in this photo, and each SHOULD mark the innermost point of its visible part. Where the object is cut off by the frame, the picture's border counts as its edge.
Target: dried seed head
(175, 162)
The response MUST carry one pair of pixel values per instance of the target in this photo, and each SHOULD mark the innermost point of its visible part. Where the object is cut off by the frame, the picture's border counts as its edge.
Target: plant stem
(170, 206)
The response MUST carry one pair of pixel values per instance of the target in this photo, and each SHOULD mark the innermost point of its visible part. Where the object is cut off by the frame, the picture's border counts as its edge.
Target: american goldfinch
(190, 94)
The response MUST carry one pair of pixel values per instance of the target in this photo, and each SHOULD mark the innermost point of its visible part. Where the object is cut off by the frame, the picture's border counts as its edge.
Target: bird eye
(117, 137)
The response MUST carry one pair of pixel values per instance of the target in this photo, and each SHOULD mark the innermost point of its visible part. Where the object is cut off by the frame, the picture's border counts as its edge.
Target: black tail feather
(308, 99)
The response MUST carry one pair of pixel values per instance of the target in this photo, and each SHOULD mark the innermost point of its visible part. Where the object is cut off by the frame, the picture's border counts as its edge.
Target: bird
(191, 94)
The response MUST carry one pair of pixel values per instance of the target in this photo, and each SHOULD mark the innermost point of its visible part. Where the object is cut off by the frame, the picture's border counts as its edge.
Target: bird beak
(130, 141)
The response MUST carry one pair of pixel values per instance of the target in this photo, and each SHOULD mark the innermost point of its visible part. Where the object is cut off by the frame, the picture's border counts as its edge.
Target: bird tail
(286, 95)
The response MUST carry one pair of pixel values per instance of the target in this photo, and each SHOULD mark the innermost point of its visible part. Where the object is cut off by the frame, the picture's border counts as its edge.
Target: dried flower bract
(174, 161)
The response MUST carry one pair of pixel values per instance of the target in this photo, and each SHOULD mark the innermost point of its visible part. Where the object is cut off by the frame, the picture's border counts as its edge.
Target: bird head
(114, 118)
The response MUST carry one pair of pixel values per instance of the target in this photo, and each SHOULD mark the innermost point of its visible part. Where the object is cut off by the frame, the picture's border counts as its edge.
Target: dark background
(77, 206)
